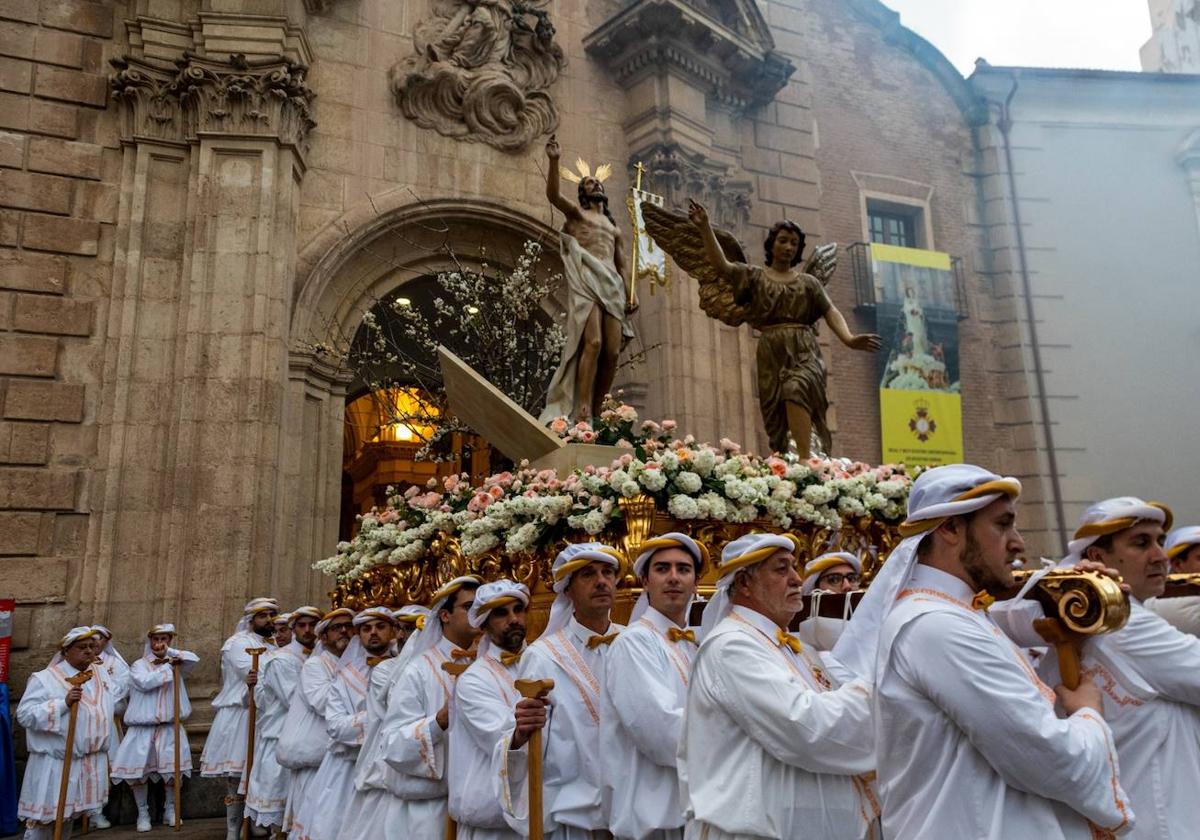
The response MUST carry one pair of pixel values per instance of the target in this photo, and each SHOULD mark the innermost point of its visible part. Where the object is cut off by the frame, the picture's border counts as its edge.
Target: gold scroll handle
(1077, 604)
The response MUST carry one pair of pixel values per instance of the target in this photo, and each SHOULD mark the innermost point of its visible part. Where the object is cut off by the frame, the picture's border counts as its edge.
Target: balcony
(881, 279)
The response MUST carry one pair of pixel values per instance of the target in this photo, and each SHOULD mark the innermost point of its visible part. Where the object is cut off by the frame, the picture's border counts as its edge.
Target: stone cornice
(738, 68)
(198, 96)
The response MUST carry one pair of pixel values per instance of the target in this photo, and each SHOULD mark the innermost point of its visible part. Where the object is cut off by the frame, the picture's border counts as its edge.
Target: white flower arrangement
(522, 511)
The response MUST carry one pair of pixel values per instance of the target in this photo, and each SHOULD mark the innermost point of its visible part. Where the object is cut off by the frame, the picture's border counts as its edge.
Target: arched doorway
(349, 268)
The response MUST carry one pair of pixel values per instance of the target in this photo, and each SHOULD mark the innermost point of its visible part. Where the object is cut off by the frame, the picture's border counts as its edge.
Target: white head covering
(488, 597)
(570, 560)
(355, 655)
(674, 539)
(936, 495)
(108, 649)
(414, 614)
(166, 627)
(431, 633)
(1181, 539)
(1111, 516)
(282, 618)
(814, 568)
(742, 553)
(324, 623)
(303, 612)
(253, 607)
(74, 635)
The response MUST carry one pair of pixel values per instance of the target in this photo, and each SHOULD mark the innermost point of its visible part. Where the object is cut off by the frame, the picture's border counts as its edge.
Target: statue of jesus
(598, 309)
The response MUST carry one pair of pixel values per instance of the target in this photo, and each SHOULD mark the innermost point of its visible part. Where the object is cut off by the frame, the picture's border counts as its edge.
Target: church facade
(200, 197)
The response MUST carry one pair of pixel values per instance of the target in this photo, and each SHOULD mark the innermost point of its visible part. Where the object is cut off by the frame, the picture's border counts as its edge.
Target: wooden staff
(175, 663)
(454, 669)
(75, 681)
(535, 688)
(254, 654)
(1065, 645)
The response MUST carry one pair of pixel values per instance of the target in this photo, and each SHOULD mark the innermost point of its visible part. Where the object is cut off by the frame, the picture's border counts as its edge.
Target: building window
(894, 224)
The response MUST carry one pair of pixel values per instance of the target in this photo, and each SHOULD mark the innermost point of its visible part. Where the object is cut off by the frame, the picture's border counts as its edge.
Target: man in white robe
(572, 651)
(1183, 611)
(646, 680)
(1148, 670)
(44, 712)
(112, 667)
(325, 806)
(482, 710)
(400, 779)
(282, 637)
(304, 741)
(224, 755)
(266, 789)
(762, 710)
(836, 572)
(147, 752)
(968, 741)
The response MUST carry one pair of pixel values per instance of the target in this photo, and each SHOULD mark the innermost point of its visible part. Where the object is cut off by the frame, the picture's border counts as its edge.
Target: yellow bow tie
(788, 640)
(372, 661)
(675, 634)
(982, 600)
(307, 650)
(596, 641)
(420, 622)
(507, 659)
(459, 653)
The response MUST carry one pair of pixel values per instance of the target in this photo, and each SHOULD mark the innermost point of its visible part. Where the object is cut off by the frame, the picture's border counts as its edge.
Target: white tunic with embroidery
(641, 722)
(148, 748)
(267, 788)
(969, 742)
(572, 775)
(368, 811)
(484, 700)
(116, 674)
(797, 746)
(45, 715)
(225, 748)
(1150, 675)
(320, 816)
(304, 741)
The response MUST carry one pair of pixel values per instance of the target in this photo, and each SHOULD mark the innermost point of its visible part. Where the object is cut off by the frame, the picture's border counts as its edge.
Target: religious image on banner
(920, 404)
(648, 262)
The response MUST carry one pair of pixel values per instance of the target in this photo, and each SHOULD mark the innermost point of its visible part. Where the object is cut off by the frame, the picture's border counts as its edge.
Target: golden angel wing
(675, 234)
(822, 262)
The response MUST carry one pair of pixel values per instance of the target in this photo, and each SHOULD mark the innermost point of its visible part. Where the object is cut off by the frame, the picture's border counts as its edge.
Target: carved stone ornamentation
(678, 176)
(199, 96)
(481, 72)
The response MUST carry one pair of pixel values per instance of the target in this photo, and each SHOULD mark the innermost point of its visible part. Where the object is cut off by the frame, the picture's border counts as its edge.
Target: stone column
(191, 451)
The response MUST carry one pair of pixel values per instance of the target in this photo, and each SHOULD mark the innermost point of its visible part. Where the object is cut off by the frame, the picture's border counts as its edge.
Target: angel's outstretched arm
(712, 249)
(868, 342)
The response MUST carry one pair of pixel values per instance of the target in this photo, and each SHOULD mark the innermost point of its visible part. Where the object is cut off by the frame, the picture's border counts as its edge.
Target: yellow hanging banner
(921, 427)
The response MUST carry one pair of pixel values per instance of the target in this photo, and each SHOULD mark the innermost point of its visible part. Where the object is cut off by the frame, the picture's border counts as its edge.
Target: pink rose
(777, 466)
(559, 425)
(496, 492)
(669, 425)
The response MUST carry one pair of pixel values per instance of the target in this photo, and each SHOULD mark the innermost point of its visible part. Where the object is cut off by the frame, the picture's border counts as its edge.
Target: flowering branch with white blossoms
(525, 509)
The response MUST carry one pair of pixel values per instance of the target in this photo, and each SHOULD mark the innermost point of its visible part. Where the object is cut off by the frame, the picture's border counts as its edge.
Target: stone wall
(59, 196)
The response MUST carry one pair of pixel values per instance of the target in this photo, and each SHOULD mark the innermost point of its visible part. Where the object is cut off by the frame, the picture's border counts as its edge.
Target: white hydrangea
(688, 482)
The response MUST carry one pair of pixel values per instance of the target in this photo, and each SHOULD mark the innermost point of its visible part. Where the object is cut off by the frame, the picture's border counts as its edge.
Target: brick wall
(59, 167)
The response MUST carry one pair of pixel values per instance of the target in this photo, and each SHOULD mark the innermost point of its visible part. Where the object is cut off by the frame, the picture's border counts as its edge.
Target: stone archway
(350, 265)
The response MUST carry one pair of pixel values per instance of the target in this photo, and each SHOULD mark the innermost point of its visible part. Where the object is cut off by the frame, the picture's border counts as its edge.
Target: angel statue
(782, 302)
(598, 308)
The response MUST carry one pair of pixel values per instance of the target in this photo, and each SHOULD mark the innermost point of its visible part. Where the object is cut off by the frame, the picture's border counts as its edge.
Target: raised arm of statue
(554, 182)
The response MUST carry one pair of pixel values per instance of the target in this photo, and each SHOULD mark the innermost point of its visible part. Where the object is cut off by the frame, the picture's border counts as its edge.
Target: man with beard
(967, 738)
(400, 779)
(224, 755)
(266, 789)
(572, 651)
(303, 741)
(763, 711)
(1148, 670)
(482, 710)
(345, 720)
(44, 712)
(597, 306)
(646, 684)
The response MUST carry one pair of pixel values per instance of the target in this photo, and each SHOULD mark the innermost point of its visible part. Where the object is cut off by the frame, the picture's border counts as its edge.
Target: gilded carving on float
(481, 71)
